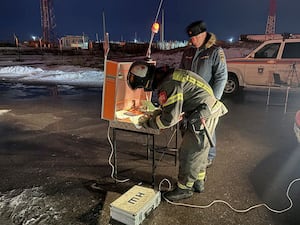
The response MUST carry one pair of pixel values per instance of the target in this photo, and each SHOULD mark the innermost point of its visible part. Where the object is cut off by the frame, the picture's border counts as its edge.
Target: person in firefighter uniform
(183, 96)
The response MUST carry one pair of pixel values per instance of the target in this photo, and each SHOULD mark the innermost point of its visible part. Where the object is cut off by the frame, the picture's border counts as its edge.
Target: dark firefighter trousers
(193, 153)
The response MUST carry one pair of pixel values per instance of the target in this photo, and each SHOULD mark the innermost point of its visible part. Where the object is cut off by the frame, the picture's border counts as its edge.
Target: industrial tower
(47, 20)
(270, 28)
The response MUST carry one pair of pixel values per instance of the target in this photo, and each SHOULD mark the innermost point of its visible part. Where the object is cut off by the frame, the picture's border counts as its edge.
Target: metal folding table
(150, 133)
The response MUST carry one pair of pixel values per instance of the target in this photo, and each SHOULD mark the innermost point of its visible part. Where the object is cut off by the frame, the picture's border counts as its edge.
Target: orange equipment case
(117, 95)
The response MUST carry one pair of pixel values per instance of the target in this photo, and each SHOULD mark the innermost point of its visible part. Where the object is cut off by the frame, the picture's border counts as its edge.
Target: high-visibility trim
(189, 184)
(179, 77)
(175, 98)
(216, 107)
(201, 176)
(182, 186)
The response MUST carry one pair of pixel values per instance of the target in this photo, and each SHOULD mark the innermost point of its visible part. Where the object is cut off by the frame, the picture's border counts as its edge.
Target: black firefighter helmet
(141, 75)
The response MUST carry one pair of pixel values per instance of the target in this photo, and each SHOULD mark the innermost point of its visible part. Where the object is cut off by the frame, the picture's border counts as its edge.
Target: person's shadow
(271, 179)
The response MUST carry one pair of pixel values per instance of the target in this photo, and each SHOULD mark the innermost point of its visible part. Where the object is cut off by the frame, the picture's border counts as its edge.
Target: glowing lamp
(155, 27)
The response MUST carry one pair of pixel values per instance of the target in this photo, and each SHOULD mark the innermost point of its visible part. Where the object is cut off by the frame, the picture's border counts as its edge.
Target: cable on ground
(109, 160)
(227, 204)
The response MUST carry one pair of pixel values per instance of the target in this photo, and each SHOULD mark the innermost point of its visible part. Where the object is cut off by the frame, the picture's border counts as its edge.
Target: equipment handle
(211, 142)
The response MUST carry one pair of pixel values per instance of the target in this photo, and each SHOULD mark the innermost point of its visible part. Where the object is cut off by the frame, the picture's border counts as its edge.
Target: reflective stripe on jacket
(185, 91)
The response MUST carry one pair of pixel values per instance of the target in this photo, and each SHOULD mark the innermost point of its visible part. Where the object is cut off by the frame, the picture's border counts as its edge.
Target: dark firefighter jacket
(209, 62)
(184, 92)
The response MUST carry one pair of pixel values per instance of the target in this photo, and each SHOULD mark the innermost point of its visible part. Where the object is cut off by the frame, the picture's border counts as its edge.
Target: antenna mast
(155, 28)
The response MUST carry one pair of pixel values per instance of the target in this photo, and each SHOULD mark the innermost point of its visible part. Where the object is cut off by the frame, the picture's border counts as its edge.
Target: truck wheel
(232, 85)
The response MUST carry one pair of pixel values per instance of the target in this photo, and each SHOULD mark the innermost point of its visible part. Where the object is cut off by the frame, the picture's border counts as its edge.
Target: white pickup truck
(274, 62)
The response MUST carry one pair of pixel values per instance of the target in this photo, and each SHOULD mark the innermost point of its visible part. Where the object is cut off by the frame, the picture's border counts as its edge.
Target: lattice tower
(47, 20)
(270, 28)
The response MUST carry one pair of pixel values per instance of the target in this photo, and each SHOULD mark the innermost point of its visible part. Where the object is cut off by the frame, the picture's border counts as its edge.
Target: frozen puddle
(28, 207)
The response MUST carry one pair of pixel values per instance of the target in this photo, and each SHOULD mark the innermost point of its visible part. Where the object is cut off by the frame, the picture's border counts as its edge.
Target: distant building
(167, 45)
(75, 41)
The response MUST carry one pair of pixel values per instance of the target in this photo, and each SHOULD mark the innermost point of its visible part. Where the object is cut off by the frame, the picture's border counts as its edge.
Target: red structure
(47, 21)
(270, 28)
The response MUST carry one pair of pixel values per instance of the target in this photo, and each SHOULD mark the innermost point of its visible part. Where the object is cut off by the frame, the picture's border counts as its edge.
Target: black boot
(178, 194)
(198, 186)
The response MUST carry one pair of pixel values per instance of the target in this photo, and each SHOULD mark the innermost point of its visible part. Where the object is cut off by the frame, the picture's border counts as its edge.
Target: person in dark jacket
(206, 59)
(182, 96)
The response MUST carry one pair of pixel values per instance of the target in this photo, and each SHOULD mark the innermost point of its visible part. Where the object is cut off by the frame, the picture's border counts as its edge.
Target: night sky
(127, 19)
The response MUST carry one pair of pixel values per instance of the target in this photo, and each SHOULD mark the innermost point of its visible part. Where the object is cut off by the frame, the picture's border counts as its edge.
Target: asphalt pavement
(54, 138)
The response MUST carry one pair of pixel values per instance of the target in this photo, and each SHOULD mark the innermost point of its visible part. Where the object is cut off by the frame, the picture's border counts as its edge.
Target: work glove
(144, 121)
(156, 113)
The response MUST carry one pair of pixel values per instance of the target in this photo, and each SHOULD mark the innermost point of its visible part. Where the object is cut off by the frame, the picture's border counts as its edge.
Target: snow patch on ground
(89, 77)
(20, 70)
(236, 52)
(3, 111)
(28, 207)
(63, 75)
(174, 59)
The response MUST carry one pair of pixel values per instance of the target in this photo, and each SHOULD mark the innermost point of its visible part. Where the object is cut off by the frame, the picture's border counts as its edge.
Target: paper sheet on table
(133, 117)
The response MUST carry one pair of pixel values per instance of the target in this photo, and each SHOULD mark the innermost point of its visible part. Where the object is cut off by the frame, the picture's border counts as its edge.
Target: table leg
(153, 162)
(115, 154)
